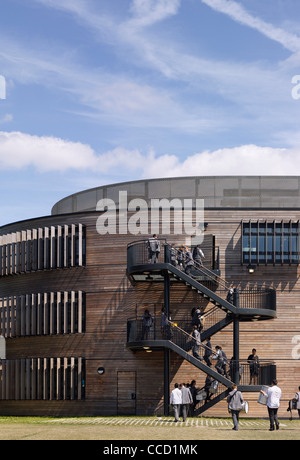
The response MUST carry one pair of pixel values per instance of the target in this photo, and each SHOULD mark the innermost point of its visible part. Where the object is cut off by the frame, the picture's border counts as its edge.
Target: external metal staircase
(247, 305)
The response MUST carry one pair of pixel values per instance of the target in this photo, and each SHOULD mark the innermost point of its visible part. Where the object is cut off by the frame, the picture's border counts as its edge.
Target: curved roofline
(217, 191)
(116, 184)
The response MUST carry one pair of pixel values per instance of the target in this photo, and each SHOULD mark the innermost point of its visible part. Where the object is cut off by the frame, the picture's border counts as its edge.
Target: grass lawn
(142, 428)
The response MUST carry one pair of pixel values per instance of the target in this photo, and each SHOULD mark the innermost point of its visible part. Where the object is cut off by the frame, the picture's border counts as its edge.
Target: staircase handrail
(230, 305)
(206, 271)
(188, 335)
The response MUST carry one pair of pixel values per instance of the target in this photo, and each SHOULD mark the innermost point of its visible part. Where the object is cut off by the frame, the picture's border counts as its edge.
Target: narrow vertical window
(262, 243)
(246, 243)
(278, 243)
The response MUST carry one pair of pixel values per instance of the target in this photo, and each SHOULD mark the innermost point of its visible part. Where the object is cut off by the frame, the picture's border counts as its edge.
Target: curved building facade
(74, 287)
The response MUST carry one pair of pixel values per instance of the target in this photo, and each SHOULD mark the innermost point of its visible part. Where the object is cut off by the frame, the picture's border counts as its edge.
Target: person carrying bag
(235, 405)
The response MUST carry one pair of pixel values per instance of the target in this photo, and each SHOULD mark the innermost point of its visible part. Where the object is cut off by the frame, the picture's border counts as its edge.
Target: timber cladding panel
(110, 300)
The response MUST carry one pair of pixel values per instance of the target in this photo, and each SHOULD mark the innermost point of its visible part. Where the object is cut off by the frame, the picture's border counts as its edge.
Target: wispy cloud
(149, 12)
(116, 99)
(141, 13)
(169, 58)
(238, 13)
(85, 13)
(7, 118)
(244, 90)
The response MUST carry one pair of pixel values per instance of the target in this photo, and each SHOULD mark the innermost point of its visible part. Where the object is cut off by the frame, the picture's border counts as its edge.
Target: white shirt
(176, 397)
(274, 395)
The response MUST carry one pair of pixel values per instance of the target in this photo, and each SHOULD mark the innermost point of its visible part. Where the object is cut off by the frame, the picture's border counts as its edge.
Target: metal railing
(259, 298)
(250, 298)
(138, 254)
(264, 373)
(211, 391)
(205, 269)
(135, 331)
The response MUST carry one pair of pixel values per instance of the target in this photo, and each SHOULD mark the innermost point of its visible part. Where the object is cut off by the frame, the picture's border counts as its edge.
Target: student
(198, 255)
(297, 398)
(235, 401)
(189, 261)
(208, 352)
(196, 342)
(197, 318)
(187, 400)
(176, 401)
(193, 391)
(166, 332)
(222, 361)
(180, 257)
(153, 246)
(207, 387)
(229, 297)
(253, 361)
(273, 402)
(147, 322)
(173, 255)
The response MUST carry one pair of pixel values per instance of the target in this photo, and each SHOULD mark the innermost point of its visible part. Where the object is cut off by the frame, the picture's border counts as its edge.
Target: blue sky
(105, 91)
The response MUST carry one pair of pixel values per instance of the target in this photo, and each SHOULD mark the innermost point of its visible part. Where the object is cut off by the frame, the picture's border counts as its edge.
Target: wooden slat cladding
(45, 248)
(44, 314)
(47, 379)
(111, 300)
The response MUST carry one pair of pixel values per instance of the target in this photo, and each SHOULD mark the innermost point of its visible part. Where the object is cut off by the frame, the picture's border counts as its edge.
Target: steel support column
(236, 349)
(166, 381)
(236, 341)
(166, 351)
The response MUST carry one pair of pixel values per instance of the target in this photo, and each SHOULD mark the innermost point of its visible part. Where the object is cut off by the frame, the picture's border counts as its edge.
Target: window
(262, 242)
(254, 243)
(270, 242)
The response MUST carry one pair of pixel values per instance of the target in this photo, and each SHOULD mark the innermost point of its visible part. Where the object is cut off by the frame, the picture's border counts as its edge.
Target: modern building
(74, 287)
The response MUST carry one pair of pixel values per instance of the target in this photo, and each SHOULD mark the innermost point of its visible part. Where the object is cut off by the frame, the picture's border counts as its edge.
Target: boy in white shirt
(176, 401)
(274, 394)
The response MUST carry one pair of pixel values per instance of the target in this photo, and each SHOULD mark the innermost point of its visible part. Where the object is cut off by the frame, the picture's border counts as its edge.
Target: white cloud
(243, 160)
(238, 13)
(19, 150)
(48, 154)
